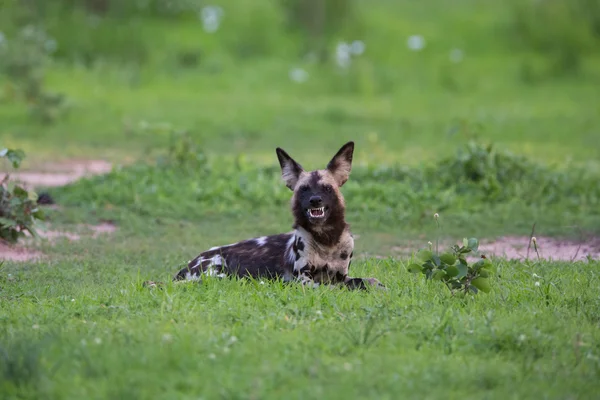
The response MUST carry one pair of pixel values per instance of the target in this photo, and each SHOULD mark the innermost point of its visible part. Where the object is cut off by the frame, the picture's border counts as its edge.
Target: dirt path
(52, 175)
(62, 173)
(516, 248)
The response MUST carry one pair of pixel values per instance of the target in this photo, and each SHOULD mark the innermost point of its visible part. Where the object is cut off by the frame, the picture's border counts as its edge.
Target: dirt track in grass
(59, 174)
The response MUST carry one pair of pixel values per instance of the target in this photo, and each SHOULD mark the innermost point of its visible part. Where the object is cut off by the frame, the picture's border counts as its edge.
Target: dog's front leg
(305, 278)
(362, 283)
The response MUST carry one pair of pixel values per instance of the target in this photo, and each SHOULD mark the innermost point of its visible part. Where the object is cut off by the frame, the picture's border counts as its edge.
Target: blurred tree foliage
(320, 21)
(564, 30)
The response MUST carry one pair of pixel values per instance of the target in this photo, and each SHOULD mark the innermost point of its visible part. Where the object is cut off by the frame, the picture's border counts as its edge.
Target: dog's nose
(316, 201)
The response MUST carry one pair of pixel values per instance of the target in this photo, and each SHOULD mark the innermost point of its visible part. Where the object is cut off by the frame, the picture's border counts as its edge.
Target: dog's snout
(316, 201)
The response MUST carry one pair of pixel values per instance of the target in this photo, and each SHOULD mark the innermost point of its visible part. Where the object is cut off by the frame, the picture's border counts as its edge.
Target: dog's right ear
(290, 169)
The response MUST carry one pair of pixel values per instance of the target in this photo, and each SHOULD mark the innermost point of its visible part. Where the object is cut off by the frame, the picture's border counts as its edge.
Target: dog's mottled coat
(318, 250)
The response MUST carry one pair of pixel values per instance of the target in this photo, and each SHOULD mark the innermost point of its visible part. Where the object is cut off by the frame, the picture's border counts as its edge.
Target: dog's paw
(152, 284)
(376, 283)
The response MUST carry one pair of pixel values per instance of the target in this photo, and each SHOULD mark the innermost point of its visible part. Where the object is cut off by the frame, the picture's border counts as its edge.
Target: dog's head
(317, 201)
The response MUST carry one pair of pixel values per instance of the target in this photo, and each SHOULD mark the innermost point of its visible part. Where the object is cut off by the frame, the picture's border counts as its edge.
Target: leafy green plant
(452, 267)
(18, 206)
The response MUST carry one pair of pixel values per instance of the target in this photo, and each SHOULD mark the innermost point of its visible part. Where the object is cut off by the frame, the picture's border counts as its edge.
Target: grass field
(80, 324)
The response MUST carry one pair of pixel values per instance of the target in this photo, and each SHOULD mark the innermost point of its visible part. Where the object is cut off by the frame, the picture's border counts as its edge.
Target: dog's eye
(304, 188)
(327, 188)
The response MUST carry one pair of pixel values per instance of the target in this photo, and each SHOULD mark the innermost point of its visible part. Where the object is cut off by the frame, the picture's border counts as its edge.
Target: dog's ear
(341, 164)
(290, 169)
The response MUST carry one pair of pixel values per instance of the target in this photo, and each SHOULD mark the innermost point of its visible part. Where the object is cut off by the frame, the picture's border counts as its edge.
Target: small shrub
(18, 207)
(453, 269)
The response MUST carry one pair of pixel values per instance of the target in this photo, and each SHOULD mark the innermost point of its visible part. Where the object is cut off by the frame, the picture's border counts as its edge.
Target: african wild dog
(320, 248)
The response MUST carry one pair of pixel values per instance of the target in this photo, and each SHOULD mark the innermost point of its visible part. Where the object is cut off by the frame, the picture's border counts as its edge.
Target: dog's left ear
(341, 164)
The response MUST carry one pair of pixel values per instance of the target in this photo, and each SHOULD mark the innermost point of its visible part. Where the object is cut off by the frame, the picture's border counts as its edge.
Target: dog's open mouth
(316, 212)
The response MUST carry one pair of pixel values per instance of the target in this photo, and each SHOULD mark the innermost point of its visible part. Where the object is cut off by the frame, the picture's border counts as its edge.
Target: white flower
(357, 47)
(72, 300)
(35, 326)
(298, 75)
(211, 18)
(342, 54)
(436, 215)
(50, 45)
(97, 340)
(522, 337)
(456, 55)
(415, 42)
(535, 275)
(537, 284)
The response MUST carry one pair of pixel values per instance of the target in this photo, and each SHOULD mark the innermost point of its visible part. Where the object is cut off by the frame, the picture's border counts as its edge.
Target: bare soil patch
(52, 175)
(23, 251)
(61, 173)
(516, 248)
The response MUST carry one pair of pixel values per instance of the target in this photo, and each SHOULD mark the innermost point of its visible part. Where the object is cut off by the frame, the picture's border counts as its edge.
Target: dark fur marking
(300, 245)
(351, 254)
(344, 255)
(306, 268)
(245, 258)
(339, 277)
(297, 255)
(356, 283)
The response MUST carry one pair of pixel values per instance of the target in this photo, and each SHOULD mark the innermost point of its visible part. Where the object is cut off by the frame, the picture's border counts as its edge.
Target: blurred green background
(406, 80)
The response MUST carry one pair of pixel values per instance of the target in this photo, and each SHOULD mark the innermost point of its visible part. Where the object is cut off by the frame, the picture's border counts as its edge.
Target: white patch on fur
(190, 277)
(261, 241)
(215, 261)
(288, 249)
(198, 262)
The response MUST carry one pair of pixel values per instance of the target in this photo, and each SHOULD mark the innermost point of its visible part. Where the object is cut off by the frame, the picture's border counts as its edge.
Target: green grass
(81, 325)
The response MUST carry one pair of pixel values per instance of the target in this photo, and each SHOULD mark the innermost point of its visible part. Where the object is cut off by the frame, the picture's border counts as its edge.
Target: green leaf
(481, 284)
(462, 270)
(7, 223)
(465, 242)
(448, 258)
(20, 192)
(482, 263)
(438, 275)
(33, 196)
(484, 273)
(14, 156)
(473, 244)
(414, 268)
(38, 214)
(425, 255)
(452, 271)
